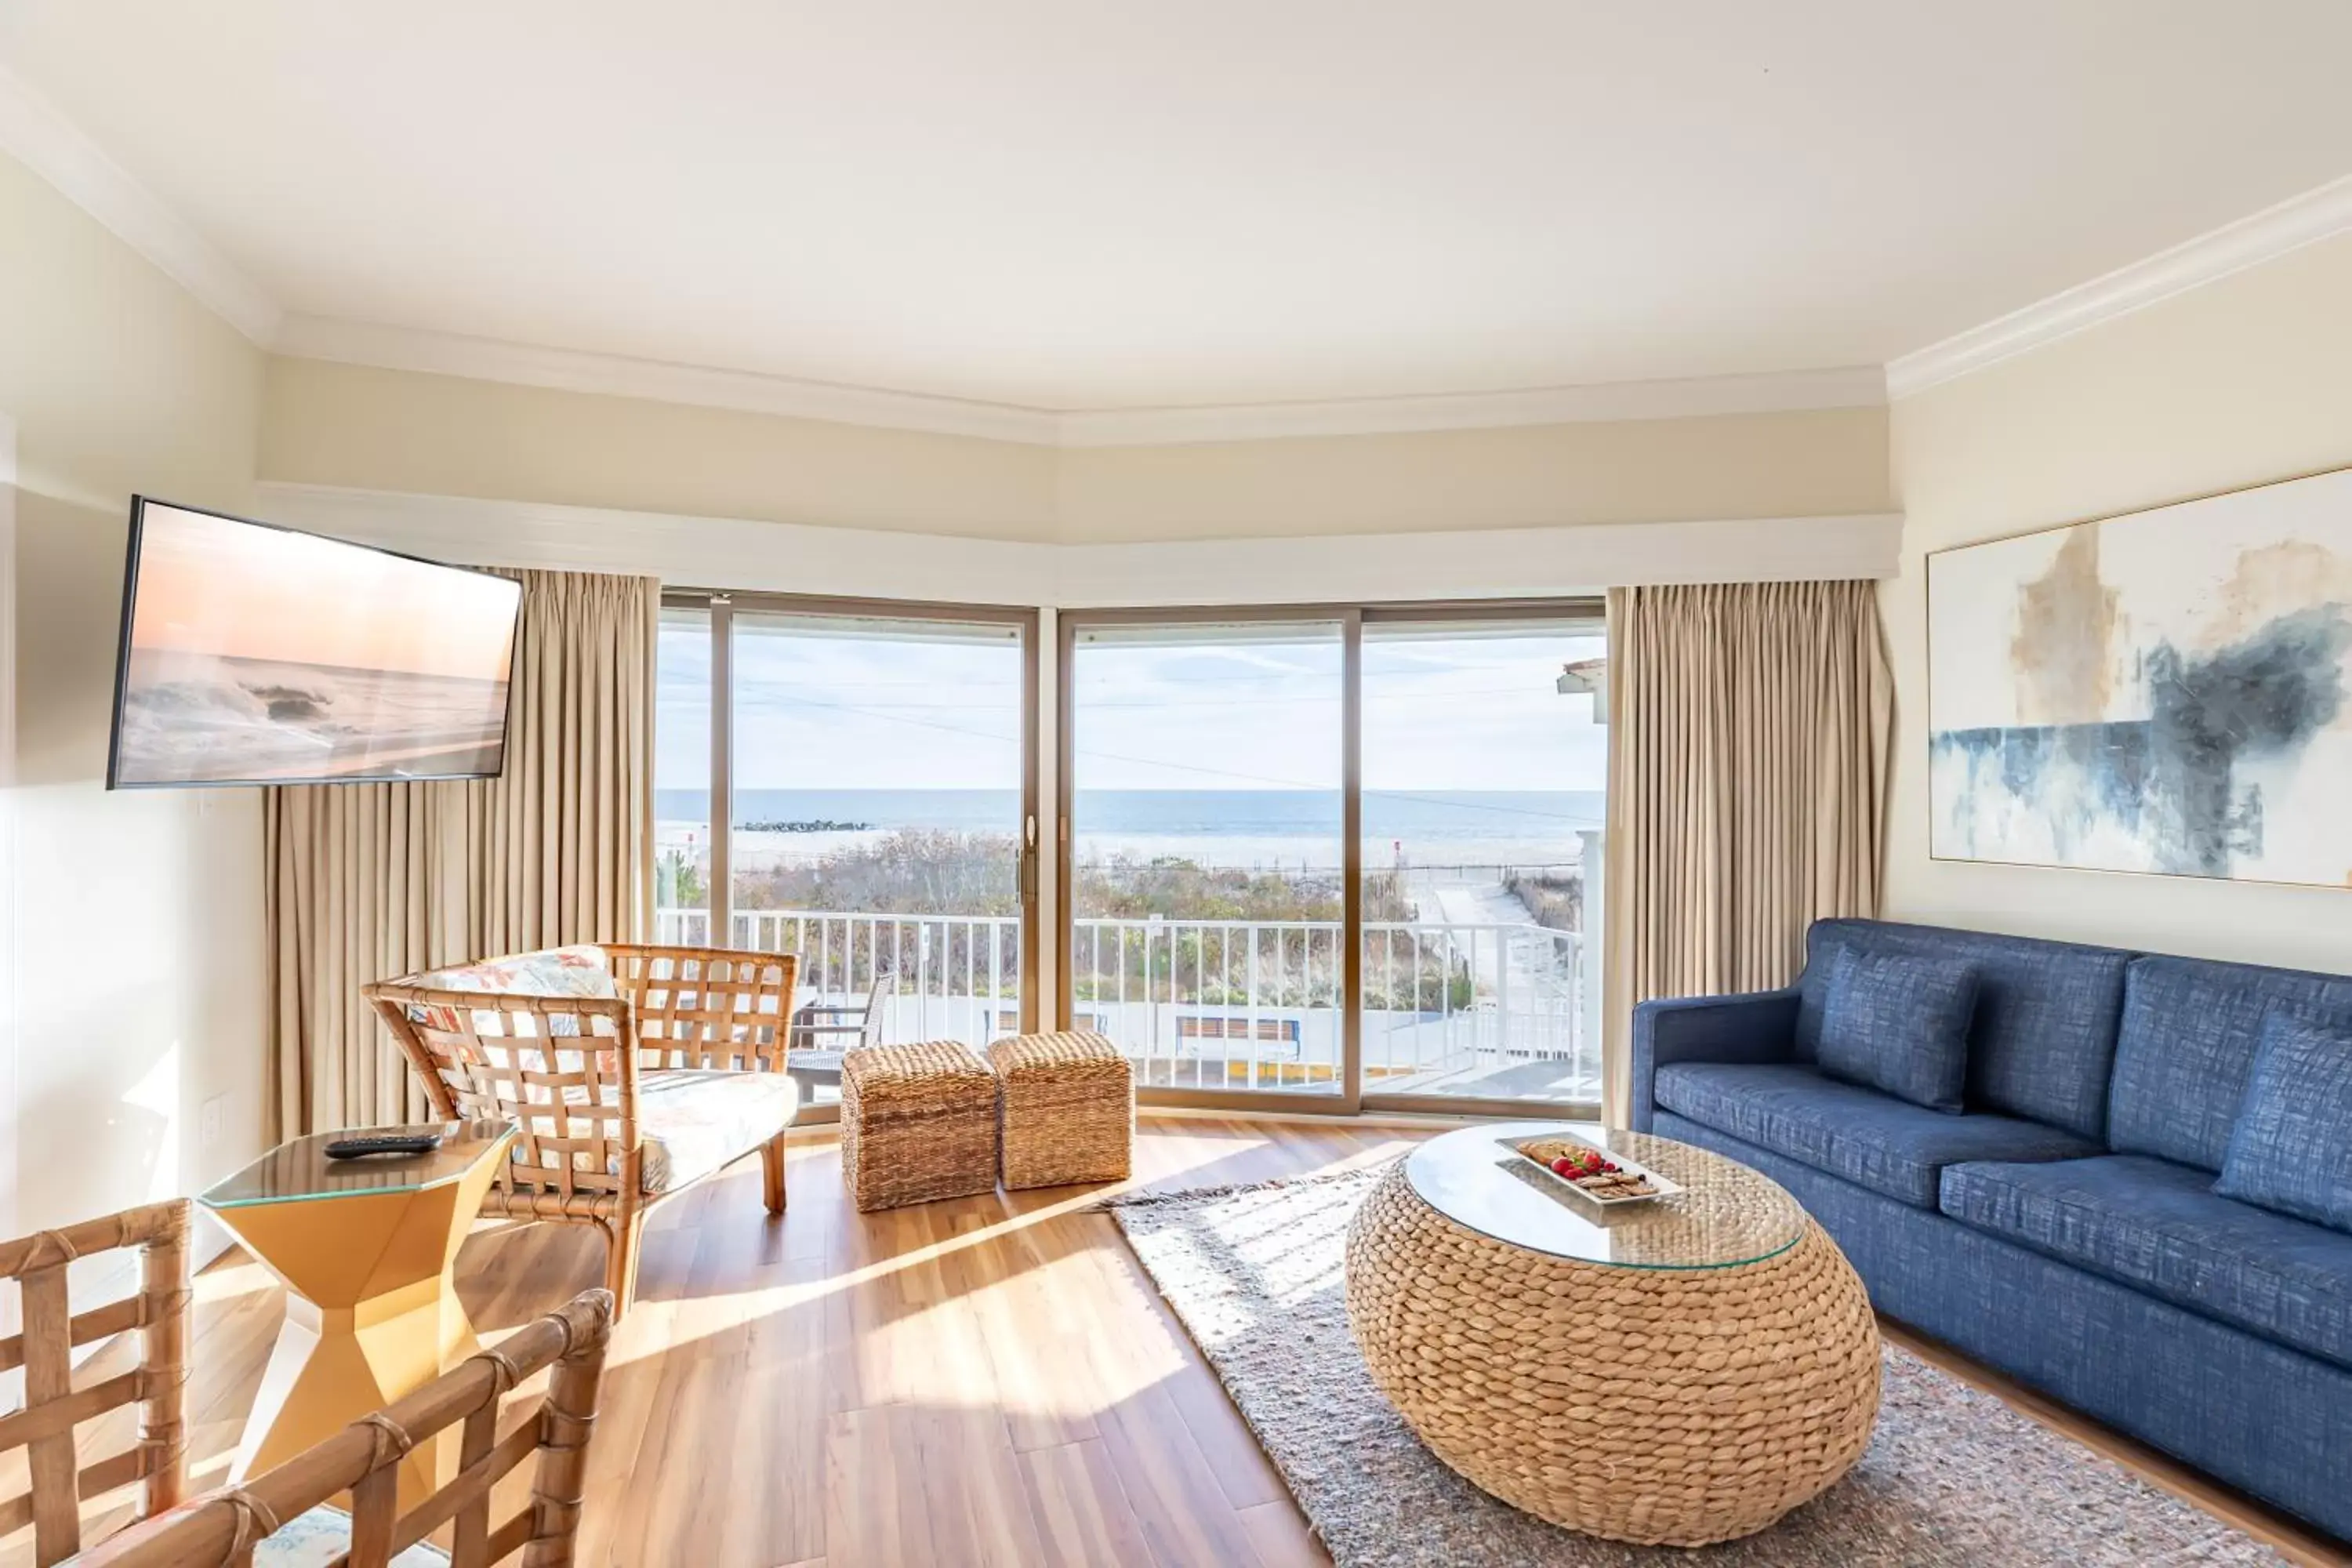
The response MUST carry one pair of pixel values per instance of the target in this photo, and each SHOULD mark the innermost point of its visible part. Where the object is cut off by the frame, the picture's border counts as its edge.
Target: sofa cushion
(2158, 1226)
(1899, 1022)
(2044, 1040)
(2189, 1029)
(1871, 1138)
(2292, 1150)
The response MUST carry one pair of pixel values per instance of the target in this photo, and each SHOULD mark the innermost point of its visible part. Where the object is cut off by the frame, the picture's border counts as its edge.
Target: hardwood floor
(988, 1380)
(985, 1381)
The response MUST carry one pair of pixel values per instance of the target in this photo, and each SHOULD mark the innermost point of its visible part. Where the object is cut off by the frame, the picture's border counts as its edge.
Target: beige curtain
(370, 882)
(1751, 727)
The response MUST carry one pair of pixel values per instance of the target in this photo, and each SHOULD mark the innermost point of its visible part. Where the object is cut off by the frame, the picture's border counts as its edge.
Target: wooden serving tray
(1540, 1151)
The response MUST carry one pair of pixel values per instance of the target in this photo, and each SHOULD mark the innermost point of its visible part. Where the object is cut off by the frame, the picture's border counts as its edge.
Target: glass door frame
(1352, 619)
(722, 604)
(1472, 613)
(1349, 1100)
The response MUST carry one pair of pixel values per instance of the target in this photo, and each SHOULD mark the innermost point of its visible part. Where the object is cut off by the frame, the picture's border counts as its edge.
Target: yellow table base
(371, 1314)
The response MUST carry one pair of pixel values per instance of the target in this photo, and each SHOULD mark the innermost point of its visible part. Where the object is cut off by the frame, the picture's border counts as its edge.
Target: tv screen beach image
(257, 655)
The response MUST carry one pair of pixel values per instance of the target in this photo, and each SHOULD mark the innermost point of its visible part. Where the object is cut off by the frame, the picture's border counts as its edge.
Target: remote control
(383, 1144)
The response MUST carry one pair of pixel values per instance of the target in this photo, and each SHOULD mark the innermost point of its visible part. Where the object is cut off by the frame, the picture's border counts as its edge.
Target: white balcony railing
(1493, 1010)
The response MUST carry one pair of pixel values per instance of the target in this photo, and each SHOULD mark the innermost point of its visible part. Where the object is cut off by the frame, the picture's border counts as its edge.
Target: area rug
(1953, 1477)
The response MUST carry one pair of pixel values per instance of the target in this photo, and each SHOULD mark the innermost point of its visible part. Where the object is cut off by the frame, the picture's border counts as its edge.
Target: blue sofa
(2063, 1228)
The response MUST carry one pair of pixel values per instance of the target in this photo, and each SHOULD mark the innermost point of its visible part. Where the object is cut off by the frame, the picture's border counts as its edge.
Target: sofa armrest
(1758, 1026)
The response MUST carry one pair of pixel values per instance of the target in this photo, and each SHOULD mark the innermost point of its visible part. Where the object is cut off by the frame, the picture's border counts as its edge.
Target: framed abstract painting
(2168, 691)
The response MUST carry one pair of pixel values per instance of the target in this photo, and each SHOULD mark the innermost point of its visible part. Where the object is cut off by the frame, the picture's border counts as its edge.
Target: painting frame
(2332, 603)
(126, 649)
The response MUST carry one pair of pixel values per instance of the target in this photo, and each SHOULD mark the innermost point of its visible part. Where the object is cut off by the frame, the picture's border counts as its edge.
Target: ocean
(192, 718)
(1215, 828)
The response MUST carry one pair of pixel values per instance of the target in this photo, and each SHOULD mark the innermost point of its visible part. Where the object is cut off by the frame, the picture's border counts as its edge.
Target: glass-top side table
(365, 1250)
(300, 1171)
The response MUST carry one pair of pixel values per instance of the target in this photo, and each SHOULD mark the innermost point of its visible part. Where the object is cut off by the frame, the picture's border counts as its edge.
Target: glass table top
(299, 1170)
(1726, 1215)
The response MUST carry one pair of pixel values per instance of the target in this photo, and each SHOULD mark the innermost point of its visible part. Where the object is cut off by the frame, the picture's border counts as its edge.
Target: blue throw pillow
(1899, 1022)
(2292, 1150)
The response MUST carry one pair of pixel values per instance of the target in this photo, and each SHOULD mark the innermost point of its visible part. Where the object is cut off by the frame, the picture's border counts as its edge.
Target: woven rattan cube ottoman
(1068, 1108)
(917, 1122)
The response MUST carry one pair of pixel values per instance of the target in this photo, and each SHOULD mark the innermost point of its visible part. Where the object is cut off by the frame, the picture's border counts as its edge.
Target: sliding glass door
(1339, 856)
(1206, 868)
(1485, 764)
(876, 783)
(1330, 856)
(683, 861)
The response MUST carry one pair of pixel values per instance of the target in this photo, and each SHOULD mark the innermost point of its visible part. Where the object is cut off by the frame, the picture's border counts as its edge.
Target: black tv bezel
(139, 504)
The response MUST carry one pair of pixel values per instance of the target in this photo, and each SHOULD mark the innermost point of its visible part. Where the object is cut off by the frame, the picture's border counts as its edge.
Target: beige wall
(137, 956)
(436, 435)
(2241, 382)
(400, 430)
(1814, 463)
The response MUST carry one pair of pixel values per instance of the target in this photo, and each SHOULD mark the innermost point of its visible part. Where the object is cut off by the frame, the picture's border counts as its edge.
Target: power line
(1097, 706)
(992, 684)
(1190, 767)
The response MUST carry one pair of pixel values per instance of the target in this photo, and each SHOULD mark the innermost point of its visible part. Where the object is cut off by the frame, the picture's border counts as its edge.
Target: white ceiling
(1087, 205)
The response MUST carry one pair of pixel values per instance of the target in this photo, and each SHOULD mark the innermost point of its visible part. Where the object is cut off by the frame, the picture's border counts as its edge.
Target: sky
(213, 585)
(835, 711)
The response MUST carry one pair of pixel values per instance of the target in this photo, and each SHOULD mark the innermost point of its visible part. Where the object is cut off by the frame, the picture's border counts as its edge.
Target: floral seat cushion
(583, 971)
(694, 1121)
(691, 1121)
(316, 1538)
(311, 1540)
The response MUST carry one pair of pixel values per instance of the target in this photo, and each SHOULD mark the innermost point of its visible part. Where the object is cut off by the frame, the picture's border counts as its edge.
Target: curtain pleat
(370, 881)
(1751, 726)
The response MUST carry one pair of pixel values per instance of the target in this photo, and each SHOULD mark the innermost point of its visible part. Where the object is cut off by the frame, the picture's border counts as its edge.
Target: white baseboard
(820, 1131)
(208, 1240)
(1309, 1118)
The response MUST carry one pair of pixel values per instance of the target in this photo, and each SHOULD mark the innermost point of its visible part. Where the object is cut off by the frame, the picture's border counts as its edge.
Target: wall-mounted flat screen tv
(253, 654)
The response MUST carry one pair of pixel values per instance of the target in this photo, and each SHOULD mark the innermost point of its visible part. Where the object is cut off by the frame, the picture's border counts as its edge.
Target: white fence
(1495, 1009)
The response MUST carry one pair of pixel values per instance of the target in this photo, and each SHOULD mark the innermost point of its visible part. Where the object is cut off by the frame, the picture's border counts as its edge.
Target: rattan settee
(632, 1071)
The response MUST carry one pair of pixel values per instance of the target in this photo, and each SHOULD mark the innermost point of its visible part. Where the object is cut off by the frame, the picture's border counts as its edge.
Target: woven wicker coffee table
(1678, 1372)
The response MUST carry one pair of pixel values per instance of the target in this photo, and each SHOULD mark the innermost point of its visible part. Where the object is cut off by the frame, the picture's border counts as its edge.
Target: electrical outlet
(209, 1118)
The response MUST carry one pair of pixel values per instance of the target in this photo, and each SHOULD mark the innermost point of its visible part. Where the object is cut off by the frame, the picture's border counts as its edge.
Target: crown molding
(1854, 386)
(614, 376)
(35, 132)
(2248, 241)
(46, 142)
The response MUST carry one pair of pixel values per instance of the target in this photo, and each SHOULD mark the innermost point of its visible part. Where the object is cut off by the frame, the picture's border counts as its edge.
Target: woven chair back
(223, 1528)
(563, 1070)
(54, 1407)
(707, 1008)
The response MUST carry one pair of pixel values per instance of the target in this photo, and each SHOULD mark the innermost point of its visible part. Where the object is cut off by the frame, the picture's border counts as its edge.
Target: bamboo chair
(223, 1528)
(568, 1072)
(44, 1428)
